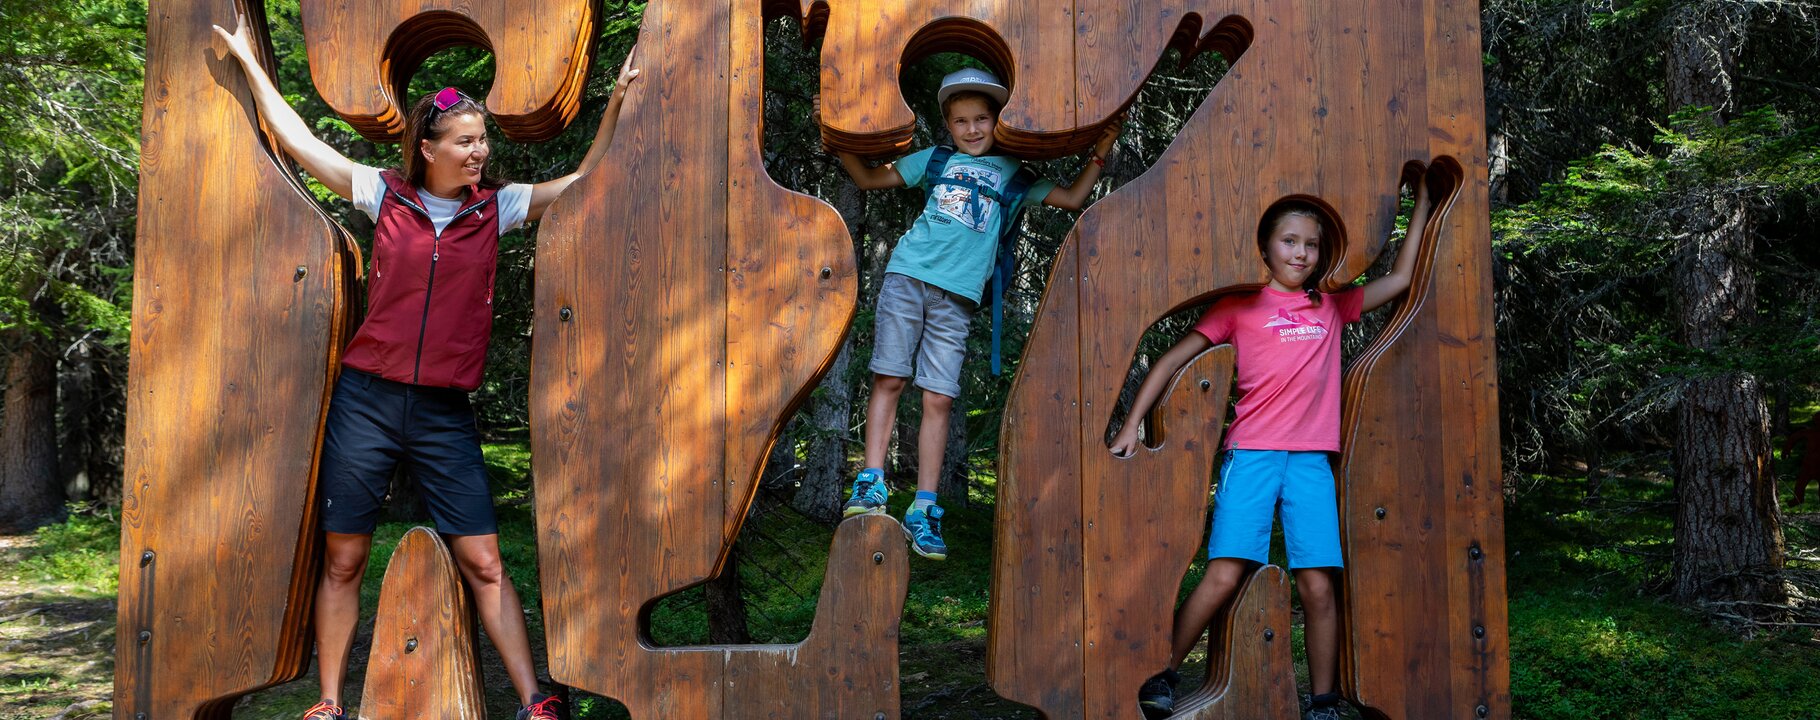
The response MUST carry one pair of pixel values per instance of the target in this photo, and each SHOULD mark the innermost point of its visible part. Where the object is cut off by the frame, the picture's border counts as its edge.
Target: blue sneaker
(925, 531)
(869, 494)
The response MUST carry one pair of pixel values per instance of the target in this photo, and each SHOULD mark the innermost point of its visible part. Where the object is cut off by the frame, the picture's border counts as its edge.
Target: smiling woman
(402, 392)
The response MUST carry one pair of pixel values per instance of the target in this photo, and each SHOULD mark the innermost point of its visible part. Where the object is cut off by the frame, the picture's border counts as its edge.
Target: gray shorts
(917, 319)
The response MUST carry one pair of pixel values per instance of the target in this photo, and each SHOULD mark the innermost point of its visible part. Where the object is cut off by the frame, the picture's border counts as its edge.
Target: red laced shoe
(325, 710)
(542, 707)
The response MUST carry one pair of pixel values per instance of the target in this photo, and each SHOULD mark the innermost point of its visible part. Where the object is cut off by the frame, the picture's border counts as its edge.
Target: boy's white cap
(973, 79)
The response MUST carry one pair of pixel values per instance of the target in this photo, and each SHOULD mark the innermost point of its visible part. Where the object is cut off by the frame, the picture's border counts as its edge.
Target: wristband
(1097, 160)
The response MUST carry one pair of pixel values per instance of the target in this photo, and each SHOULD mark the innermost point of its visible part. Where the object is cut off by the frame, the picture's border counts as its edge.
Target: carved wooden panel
(1328, 101)
(686, 305)
(362, 53)
(239, 309)
(424, 662)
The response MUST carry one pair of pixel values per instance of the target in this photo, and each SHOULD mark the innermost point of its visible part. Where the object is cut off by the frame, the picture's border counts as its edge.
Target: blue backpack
(1004, 269)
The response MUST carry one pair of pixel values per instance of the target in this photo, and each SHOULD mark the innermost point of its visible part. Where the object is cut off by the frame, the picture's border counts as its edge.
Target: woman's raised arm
(544, 193)
(334, 170)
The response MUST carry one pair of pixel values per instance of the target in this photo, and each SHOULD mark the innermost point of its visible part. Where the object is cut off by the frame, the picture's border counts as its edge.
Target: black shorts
(373, 425)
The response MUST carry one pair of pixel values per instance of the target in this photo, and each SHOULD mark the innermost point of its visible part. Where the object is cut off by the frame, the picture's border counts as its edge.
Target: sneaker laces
(324, 710)
(542, 709)
(862, 485)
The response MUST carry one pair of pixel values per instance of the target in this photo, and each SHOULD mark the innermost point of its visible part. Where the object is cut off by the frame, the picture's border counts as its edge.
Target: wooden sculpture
(686, 304)
(425, 661)
(362, 52)
(239, 311)
(1324, 101)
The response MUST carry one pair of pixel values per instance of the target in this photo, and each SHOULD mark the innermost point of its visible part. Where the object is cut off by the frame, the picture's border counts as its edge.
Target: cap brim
(994, 90)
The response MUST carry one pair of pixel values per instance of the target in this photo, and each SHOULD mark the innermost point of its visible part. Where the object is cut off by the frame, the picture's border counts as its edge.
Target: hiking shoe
(925, 532)
(542, 707)
(1330, 709)
(325, 710)
(1157, 696)
(869, 494)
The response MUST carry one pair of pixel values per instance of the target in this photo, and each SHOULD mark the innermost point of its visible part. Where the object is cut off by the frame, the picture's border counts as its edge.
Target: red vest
(429, 298)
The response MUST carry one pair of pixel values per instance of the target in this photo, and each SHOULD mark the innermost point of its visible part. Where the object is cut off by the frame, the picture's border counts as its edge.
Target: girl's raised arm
(1396, 282)
(544, 193)
(334, 170)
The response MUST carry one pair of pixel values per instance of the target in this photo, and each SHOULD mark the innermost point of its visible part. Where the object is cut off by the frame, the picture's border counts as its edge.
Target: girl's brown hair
(427, 122)
(1301, 208)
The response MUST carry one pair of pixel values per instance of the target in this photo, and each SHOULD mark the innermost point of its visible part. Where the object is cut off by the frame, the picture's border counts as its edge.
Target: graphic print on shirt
(960, 202)
(1292, 327)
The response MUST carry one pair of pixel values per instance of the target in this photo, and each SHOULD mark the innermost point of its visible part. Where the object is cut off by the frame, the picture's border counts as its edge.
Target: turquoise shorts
(1252, 484)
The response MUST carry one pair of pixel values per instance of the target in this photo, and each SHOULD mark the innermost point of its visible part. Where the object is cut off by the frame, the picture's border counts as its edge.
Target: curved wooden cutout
(686, 304)
(239, 310)
(425, 661)
(363, 52)
(1417, 509)
(1251, 671)
(1071, 66)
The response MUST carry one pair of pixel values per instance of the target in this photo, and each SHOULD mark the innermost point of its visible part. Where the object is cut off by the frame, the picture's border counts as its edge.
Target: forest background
(1655, 178)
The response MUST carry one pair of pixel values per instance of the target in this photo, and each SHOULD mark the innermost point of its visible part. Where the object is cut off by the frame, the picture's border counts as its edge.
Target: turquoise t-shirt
(953, 242)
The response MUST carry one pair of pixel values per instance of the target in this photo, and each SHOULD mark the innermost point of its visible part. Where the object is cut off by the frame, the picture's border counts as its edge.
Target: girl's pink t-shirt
(1288, 366)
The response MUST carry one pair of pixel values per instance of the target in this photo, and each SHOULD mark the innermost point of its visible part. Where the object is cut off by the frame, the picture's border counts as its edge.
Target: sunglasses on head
(447, 98)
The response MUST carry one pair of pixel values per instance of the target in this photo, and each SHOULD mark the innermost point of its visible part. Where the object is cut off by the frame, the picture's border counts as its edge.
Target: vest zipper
(423, 324)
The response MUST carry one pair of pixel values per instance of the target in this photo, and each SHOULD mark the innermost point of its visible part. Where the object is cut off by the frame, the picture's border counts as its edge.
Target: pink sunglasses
(447, 98)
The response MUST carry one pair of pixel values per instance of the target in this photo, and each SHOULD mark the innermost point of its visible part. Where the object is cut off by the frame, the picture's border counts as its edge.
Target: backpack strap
(1004, 271)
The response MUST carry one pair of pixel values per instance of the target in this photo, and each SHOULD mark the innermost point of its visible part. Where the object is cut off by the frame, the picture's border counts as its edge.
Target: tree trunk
(1728, 533)
(727, 605)
(75, 398)
(31, 487)
(952, 486)
(824, 479)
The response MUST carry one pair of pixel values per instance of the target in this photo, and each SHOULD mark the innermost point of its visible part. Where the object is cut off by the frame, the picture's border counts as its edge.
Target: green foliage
(1592, 638)
(81, 553)
(1596, 346)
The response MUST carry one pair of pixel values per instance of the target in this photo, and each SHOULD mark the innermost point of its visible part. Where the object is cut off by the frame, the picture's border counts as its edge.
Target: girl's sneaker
(1328, 706)
(1157, 696)
(925, 531)
(542, 707)
(869, 494)
(325, 710)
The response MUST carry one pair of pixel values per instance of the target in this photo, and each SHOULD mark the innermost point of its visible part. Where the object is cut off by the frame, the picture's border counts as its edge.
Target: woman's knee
(480, 563)
(888, 383)
(345, 558)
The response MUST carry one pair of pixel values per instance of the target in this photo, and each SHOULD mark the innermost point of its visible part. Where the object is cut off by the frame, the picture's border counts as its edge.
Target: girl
(1287, 423)
(402, 394)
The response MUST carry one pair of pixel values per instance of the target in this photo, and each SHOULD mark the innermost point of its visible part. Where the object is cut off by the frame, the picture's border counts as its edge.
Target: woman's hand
(627, 73)
(239, 42)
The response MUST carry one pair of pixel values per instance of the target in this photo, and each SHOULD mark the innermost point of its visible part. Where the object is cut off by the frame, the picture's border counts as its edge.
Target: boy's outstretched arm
(1396, 282)
(866, 177)
(1074, 196)
(544, 193)
(1165, 368)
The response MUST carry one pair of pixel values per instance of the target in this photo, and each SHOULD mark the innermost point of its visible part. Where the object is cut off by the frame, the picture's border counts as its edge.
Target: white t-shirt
(514, 201)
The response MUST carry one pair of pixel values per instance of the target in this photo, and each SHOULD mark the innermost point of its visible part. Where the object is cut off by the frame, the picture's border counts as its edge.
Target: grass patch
(79, 556)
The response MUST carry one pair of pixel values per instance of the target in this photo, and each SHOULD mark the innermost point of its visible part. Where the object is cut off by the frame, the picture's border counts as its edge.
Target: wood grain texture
(240, 306)
(363, 52)
(1328, 102)
(425, 662)
(686, 304)
(1251, 672)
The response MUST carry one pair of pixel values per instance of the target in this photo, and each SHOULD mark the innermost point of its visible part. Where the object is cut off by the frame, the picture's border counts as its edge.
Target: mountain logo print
(1292, 327)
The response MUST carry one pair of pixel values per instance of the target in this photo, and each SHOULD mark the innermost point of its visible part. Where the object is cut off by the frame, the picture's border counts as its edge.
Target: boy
(935, 280)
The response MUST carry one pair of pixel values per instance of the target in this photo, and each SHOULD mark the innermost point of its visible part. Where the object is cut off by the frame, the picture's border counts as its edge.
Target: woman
(402, 394)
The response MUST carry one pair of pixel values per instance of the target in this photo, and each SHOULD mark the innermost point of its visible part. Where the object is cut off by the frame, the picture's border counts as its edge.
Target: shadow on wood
(240, 306)
(685, 306)
(425, 658)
